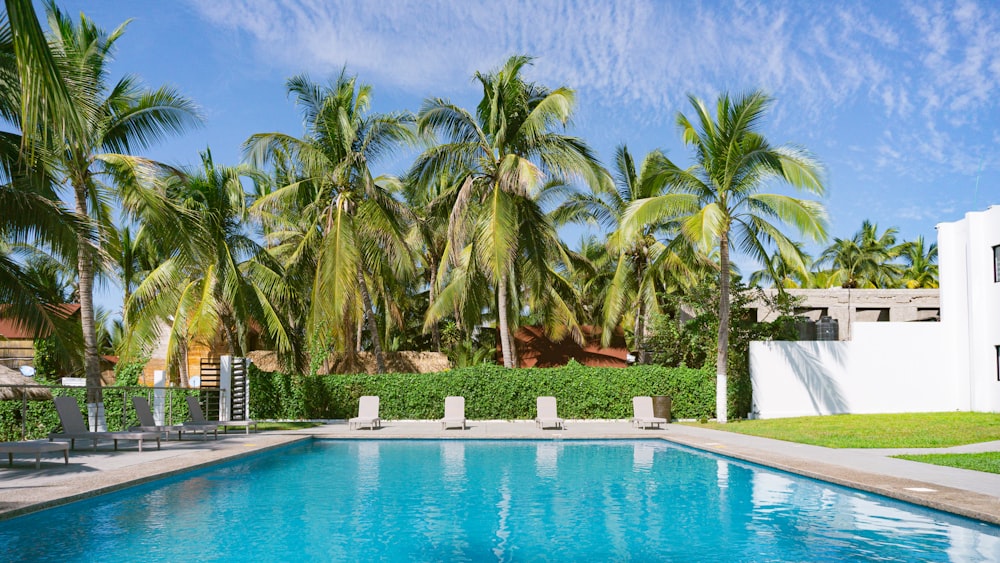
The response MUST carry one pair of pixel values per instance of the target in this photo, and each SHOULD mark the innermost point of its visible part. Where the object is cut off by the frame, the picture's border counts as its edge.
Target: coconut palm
(865, 260)
(648, 262)
(31, 220)
(506, 152)
(87, 129)
(222, 288)
(782, 272)
(921, 264)
(718, 201)
(354, 231)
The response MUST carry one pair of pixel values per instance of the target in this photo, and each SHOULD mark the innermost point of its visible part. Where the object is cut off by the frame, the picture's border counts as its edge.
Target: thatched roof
(10, 379)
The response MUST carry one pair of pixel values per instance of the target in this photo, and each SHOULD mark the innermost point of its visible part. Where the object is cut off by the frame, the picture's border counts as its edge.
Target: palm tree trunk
(721, 376)
(372, 325)
(85, 271)
(431, 297)
(505, 344)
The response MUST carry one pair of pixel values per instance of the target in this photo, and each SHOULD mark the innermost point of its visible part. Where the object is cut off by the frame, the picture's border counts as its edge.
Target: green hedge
(491, 392)
(40, 417)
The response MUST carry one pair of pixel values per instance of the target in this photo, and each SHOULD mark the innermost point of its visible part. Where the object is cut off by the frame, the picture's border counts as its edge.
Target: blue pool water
(492, 500)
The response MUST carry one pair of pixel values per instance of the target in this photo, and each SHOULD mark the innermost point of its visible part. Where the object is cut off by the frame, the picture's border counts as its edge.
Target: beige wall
(850, 306)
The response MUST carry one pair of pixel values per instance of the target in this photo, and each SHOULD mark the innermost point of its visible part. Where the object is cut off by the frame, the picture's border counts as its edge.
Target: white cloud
(940, 61)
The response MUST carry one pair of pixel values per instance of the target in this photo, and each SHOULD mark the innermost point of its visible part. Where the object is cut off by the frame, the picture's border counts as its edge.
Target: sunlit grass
(988, 461)
(908, 430)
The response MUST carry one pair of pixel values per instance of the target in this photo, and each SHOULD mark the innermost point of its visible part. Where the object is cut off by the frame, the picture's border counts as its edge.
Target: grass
(988, 462)
(908, 430)
(264, 426)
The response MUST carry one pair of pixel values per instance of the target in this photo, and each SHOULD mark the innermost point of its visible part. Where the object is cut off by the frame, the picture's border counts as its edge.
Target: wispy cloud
(927, 69)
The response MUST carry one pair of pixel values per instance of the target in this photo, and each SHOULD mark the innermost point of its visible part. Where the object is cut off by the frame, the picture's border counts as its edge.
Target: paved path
(970, 493)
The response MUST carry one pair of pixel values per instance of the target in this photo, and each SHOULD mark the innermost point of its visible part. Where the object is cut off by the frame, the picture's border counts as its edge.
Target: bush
(695, 342)
(491, 392)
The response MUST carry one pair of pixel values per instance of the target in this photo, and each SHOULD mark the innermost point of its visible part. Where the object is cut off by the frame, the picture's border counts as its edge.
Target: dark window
(998, 363)
(996, 263)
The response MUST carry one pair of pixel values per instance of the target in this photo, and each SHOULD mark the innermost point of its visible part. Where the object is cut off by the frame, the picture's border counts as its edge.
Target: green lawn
(909, 430)
(988, 461)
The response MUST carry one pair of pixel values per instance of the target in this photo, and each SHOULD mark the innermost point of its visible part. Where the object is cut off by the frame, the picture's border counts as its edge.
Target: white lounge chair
(454, 413)
(642, 411)
(198, 419)
(148, 424)
(367, 414)
(547, 417)
(75, 428)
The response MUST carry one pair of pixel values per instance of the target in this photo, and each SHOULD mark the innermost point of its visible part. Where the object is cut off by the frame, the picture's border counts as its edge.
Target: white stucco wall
(887, 368)
(970, 304)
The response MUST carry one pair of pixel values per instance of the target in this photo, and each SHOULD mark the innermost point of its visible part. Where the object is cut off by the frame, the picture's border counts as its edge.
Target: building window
(998, 362)
(996, 263)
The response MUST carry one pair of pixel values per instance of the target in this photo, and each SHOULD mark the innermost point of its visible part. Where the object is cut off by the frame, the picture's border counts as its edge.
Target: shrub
(491, 392)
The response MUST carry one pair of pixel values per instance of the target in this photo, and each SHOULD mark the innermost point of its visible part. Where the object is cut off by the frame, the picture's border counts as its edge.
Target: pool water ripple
(454, 500)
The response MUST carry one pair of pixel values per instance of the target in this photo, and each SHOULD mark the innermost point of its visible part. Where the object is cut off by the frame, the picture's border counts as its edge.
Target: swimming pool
(429, 500)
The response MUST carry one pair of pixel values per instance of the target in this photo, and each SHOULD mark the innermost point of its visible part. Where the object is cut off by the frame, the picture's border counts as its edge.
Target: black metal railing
(28, 416)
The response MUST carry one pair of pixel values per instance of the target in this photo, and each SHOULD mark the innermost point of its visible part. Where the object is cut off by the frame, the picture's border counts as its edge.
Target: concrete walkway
(969, 493)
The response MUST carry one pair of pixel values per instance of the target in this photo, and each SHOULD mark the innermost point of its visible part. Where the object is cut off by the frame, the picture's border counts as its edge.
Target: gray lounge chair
(33, 447)
(75, 428)
(642, 411)
(198, 419)
(547, 417)
(147, 423)
(367, 414)
(454, 413)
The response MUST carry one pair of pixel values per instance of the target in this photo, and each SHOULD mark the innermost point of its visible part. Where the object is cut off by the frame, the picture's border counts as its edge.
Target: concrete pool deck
(968, 493)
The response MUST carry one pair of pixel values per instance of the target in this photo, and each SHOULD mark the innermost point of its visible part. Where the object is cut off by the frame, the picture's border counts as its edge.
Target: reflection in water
(453, 461)
(503, 513)
(722, 473)
(368, 464)
(642, 456)
(547, 459)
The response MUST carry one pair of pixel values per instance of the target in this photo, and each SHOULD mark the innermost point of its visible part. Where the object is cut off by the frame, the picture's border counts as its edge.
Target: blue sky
(900, 101)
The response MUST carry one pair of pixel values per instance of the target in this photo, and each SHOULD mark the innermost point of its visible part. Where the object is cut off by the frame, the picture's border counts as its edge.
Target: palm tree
(86, 131)
(644, 264)
(921, 264)
(866, 259)
(430, 205)
(505, 153)
(718, 199)
(353, 228)
(31, 219)
(224, 286)
(784, 272)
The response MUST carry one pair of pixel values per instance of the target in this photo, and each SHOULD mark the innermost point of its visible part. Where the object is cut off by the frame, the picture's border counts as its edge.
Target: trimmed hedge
(41, 417)
(491, 392)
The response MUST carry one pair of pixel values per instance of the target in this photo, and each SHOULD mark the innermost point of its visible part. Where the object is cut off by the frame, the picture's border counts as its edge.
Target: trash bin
(661, 406)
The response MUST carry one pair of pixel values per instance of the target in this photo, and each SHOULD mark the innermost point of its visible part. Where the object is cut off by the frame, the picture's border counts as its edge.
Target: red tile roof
(12, 329)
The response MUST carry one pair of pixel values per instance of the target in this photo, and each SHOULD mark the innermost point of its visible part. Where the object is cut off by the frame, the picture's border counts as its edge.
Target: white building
(969, 265)
(902, 367)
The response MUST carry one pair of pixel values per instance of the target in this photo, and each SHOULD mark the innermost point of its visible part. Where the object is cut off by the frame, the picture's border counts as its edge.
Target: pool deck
(968, 493)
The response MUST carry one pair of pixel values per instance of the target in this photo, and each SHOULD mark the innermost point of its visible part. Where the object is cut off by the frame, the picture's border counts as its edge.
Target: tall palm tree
(718, 199)
(87, 130)
(921, 264)
(506, 152)
(865, 260)
(644, 263)
(356, 228)
(223, 287)
(31, 216)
